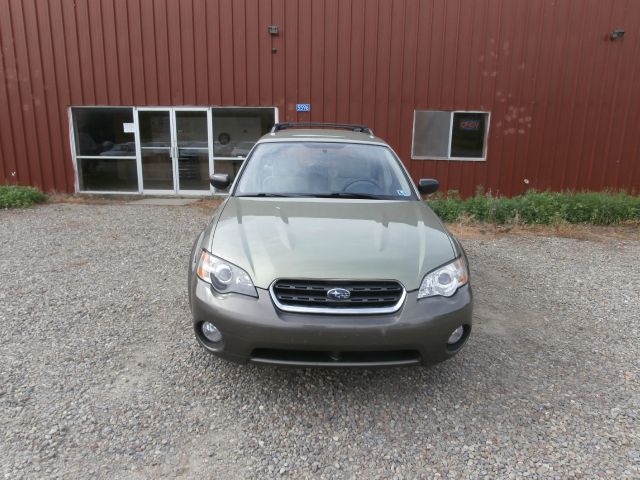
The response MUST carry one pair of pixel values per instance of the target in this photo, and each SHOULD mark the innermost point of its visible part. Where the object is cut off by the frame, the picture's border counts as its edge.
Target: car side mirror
(220, 180)
(428, 185)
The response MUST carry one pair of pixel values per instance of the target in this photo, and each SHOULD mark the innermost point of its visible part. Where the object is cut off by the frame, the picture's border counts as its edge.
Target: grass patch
(540, 208)
(16, 196)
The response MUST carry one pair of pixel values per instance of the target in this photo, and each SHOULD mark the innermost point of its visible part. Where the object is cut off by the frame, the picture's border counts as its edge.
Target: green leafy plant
(545, 208)
(16, 196)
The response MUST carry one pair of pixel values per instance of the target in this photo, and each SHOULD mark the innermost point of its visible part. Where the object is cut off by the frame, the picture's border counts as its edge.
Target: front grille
(364, 296)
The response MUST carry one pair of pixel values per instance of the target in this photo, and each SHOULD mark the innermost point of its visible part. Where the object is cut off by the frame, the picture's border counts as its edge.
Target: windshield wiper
(349, 195)
(262, 194)
(315, 195)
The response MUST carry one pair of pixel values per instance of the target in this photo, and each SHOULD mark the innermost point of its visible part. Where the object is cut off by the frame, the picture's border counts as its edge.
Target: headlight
(225, 277)
(445, 280)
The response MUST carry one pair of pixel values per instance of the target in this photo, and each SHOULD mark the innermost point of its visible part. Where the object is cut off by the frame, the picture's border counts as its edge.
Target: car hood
(334, 239)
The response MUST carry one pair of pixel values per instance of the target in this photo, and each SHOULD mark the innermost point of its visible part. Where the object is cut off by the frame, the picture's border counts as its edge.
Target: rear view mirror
(220, 180)
(428, 185)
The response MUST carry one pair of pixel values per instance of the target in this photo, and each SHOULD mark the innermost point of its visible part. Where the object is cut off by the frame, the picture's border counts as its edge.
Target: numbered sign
(303, 107)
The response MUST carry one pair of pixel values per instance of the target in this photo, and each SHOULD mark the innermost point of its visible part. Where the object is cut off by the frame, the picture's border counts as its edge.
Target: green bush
(15, 196)
(448, 210)
(597, 208)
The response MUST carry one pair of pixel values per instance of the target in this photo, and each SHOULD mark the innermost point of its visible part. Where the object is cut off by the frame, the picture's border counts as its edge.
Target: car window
(324, 169)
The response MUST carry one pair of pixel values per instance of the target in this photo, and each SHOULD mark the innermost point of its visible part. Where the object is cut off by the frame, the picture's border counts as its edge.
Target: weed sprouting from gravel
(16, 196)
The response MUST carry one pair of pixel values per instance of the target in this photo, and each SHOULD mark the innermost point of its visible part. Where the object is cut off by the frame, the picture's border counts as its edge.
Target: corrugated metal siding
(565, 100)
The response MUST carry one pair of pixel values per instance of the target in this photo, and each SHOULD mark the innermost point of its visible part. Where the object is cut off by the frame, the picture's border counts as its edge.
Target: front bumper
(254, 330)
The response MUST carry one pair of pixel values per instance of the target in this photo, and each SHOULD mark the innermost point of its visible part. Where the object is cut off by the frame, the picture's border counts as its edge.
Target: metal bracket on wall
(617, 34)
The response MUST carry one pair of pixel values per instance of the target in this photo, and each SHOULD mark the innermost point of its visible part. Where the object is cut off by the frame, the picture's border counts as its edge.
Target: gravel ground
(100, 375)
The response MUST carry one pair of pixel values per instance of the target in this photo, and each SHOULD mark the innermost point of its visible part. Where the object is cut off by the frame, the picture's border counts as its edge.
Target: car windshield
(324, 169)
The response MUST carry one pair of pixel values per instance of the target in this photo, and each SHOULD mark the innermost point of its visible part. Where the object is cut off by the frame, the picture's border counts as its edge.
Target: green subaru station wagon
(324, 254)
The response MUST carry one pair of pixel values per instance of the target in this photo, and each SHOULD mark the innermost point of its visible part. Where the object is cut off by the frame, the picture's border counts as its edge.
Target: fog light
(210, 332)
(455, 336)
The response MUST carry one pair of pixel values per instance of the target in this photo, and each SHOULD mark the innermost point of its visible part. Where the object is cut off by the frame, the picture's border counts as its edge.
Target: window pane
(191, 129)
(193, 169)
(157, 169)
(235, 130)
(431, 134)
(467, 138)
(100, 131)
(155, 128)
(112, 174)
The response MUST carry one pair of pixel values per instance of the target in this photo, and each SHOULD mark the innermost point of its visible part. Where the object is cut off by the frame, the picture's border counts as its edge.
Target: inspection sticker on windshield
(402, 193)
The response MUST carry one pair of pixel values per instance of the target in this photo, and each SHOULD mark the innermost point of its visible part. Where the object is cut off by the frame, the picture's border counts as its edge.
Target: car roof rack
(346, 126)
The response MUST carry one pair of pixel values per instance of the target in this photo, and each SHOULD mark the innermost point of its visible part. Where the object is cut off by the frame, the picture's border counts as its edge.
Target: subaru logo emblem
(338, 294)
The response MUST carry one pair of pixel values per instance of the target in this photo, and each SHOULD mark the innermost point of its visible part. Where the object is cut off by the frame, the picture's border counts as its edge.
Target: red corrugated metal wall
(564, 99)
